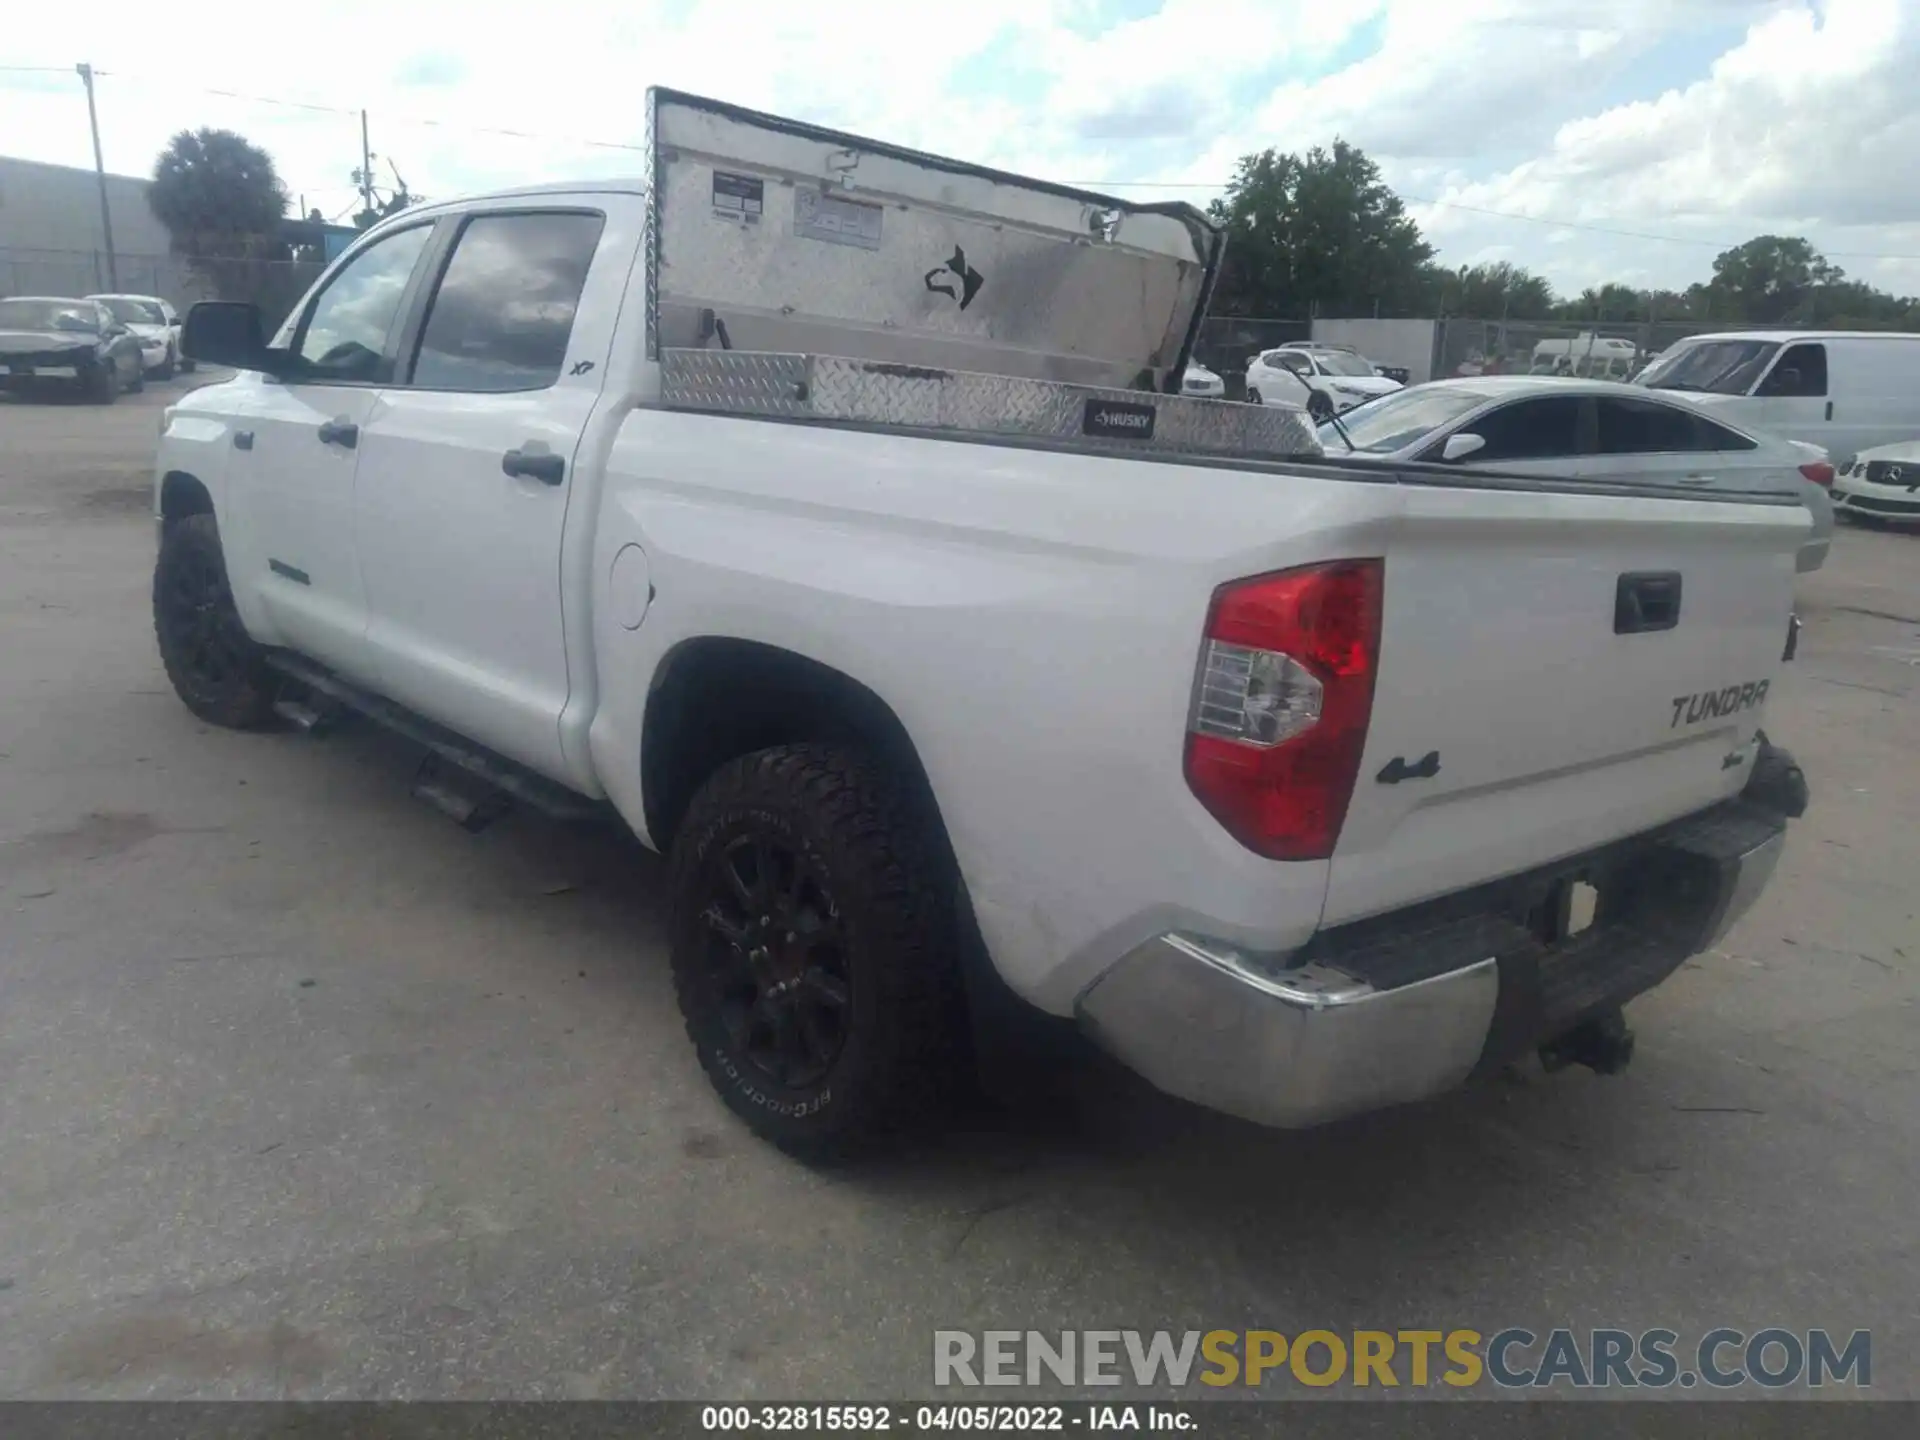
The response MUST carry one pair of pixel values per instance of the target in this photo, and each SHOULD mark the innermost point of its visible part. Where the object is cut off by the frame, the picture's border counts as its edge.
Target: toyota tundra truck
(830, 513)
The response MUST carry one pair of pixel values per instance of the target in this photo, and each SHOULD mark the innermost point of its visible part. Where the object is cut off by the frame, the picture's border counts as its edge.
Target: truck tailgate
(1527, 651)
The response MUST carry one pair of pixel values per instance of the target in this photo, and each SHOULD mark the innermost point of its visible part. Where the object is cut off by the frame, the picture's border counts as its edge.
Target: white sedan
(1324, 382)
(1882, 485)
(1589, 430)
(155, 324)
(1202, 383)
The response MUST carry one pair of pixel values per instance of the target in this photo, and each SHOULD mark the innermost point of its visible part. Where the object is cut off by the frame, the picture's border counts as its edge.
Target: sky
(1533, 131)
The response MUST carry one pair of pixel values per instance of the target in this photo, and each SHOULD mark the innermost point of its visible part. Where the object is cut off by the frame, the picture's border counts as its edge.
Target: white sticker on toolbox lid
(836, 220)
(739, 197)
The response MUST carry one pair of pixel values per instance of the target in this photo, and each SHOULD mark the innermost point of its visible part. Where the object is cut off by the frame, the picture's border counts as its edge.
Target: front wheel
(1253, 398)
(216, 669)
(139, 381)
(103, 386)
(1319, 408)
(814, 949)
(166, 367)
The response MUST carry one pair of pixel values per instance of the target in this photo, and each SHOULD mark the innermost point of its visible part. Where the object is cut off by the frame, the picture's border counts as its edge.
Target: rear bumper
(1405, 1006)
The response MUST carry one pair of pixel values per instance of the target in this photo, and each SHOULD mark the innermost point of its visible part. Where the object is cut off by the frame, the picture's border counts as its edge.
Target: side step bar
(474, 761)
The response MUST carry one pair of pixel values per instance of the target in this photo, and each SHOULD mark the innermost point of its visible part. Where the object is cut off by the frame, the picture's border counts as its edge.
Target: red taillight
(1818, 471)
(1281, 706)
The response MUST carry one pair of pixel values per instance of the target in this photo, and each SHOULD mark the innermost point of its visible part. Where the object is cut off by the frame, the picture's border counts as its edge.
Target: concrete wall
(51, 243)
(1406, 343)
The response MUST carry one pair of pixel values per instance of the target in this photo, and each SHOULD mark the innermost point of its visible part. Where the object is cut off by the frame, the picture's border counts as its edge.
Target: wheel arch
(183, 493)
(716, 698)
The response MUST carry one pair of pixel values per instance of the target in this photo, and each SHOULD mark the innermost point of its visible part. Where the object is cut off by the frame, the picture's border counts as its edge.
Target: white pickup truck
(829, 512)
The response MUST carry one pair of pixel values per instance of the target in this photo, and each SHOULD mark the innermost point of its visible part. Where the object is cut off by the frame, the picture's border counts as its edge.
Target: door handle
(1646, 600)
(547, 469)
(1829, 409)
(1698, 478)
(339, 432)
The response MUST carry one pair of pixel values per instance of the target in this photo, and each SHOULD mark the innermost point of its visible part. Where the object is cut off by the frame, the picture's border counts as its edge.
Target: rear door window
(1646, 427)
(503, 314)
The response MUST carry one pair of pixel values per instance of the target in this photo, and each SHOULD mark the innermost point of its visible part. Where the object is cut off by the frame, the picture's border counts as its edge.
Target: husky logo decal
(940, 279)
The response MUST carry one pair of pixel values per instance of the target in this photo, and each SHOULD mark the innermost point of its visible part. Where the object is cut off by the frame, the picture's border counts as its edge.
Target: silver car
(1589, 429)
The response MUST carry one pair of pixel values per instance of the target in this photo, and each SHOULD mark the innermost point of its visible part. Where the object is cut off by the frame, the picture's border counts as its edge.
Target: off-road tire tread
(879, 846)
(247, 705)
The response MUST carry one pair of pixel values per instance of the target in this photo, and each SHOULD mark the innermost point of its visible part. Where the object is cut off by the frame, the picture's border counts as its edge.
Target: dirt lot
(304, 1091)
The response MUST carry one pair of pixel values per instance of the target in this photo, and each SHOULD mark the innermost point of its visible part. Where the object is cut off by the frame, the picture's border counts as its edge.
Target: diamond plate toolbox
(826, 387)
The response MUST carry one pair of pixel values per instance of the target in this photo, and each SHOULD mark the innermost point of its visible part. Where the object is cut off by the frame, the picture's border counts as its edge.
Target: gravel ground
(306, 1092)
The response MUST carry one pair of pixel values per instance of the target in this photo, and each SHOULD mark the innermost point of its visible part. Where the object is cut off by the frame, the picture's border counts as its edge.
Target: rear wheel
(216, 669)
(814, 951)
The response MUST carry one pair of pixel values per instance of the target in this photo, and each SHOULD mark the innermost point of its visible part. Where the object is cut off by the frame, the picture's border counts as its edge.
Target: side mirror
(1461, 445)
(225, 332)
(1784, 381)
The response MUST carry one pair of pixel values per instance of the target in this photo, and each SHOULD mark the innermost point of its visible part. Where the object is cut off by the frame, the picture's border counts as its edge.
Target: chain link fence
(274, 285)
(1227, 342)
(1597, 350)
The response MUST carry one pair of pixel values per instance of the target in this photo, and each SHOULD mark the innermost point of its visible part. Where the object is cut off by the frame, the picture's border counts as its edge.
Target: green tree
(1500, 291)
(1612, 302)
(1317, 232)
(218, 196)
(1770, 279)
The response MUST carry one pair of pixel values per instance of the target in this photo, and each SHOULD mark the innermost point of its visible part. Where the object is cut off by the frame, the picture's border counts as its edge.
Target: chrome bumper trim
(1290, 1049)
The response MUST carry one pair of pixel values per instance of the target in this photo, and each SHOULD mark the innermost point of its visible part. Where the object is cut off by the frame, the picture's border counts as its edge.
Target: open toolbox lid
(769, 235)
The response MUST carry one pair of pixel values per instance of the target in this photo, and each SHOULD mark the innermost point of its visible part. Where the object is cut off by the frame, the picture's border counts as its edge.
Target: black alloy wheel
(775, 958)
(216, 669)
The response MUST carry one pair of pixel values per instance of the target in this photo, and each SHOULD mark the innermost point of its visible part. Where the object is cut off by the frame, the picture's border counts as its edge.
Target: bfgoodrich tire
(814, 953)
(216, 670)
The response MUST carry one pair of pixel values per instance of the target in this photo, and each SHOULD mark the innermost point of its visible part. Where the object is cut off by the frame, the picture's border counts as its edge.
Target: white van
(1844, 390)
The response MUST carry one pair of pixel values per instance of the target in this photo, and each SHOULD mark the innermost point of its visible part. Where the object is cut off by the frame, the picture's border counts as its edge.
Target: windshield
(75, 315)
(1718, 367)
(135, 312)
(1403, 418)
(1339, 363)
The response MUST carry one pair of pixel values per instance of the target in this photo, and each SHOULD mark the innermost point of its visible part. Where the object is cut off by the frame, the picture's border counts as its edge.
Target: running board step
(470, 803)
(461, 768)
(307, 718)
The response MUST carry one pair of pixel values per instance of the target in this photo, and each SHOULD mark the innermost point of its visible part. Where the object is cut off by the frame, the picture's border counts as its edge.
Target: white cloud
(1803, 122)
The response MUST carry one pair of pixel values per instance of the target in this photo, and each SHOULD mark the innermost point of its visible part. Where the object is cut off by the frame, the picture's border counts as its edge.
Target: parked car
(157, 326)
(1325, 381)
(1847, 391)
(1881, 485)
(71, 343)
(940, 686)
(1590, 356)
(1590, 430)
(1201, 381)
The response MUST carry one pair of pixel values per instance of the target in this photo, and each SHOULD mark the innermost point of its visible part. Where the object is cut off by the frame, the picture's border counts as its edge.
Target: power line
(629, 147)
(1499, 214)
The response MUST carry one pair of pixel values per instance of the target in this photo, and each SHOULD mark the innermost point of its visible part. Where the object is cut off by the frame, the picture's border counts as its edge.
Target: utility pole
(366, 168)
(100, 173)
